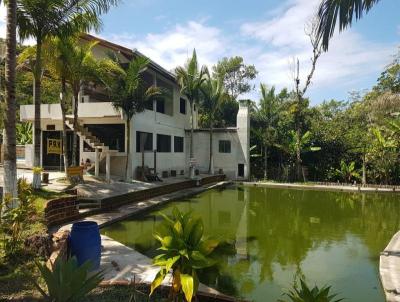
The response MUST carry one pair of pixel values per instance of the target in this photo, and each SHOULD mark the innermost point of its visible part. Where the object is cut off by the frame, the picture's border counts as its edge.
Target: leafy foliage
(67, 282)
(184, 250)
(347, 172)
(306, 294)
(15, 217)
(331, 12)
(235, 75)
(24, 133)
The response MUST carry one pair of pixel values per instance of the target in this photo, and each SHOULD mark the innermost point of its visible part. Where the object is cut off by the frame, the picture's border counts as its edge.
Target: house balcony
(85, 110)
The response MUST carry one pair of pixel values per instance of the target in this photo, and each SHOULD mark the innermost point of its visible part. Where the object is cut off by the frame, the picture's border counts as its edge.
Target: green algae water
(276, 235)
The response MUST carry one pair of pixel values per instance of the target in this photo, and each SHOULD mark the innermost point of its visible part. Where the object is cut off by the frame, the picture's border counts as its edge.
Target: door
(240, 170)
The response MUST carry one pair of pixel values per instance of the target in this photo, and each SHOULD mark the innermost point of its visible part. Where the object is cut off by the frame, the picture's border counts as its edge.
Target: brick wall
(61, 210)
(65, 209)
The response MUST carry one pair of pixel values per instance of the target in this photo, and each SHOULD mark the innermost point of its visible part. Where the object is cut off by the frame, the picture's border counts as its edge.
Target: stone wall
(59, 248)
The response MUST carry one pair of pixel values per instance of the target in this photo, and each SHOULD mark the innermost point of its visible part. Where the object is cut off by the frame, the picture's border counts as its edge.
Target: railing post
(108, 172)
(96, 162)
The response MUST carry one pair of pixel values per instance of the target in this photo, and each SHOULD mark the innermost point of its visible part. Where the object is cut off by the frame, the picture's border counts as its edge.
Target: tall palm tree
(10, 158)
(190, 79)
(345, 10)
(41, 19)
(78, 67)
(130, 95)
(213, 95)
(267, 116)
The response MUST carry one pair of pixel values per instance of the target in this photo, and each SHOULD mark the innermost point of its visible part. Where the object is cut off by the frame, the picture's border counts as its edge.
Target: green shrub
(305, 294)
(67, 282)
(14, 220)
(183, 251)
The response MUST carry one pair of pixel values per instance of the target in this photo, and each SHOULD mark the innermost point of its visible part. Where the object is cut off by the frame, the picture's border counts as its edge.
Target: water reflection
(273, 235)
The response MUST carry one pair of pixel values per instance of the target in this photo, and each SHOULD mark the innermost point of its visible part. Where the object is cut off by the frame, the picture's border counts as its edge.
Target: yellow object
(75, 171)
(54, 146)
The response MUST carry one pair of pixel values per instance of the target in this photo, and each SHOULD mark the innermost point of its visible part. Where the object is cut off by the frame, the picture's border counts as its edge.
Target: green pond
(276, 235)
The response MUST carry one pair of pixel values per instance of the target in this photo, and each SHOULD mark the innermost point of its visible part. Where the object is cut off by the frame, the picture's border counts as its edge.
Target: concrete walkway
(389, 269)
(122, 264)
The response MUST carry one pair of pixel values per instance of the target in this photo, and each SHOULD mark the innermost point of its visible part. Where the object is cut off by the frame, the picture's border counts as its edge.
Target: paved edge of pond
(120, 262)
(389, 269)
(321, 187)
(122, 265)
(106, 218)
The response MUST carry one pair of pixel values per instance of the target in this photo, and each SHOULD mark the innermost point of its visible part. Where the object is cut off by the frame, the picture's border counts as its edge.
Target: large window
(178, 144)
(163, 143)
(160, 104)
(148, 79)
(224, 146)
(144, 139)
(165, 101)
(182, 106)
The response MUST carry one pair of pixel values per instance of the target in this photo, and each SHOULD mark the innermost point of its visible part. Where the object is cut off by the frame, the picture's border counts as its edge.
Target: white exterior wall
(228, 162)
(243, 125)
(159, 123)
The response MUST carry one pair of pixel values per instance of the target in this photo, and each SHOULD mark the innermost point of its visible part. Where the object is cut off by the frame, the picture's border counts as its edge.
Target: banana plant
(183, 252)
(347, 172)
(306, 294)
(67, 282)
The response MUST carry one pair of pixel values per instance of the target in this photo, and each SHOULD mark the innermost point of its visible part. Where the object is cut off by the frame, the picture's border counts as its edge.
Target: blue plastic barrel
(85, 243)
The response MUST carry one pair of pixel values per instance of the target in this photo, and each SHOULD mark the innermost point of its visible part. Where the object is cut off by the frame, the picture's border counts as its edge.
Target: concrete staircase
(91, 140)
(87, 136)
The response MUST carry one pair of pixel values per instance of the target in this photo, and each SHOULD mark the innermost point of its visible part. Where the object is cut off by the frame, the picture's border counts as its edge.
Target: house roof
(129, 54)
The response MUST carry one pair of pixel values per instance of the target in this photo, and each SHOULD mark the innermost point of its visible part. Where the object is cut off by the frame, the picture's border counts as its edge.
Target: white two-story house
(159, 135)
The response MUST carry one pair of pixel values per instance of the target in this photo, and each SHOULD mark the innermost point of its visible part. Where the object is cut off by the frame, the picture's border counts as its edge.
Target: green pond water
(276, 235)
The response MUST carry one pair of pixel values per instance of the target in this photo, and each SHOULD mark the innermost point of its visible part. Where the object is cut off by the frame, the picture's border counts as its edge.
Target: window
(146, 139)
(163, 143)
(182, 106)
(224, 146)
(160, 105)
(148, 80)
(178, 144)
(165, 101)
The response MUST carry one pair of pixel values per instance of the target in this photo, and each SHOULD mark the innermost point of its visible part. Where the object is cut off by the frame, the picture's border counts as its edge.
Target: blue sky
(266, 33)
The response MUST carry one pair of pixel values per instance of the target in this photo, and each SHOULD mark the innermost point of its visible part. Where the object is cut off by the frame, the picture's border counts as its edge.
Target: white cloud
(173, 47)
(350, 60)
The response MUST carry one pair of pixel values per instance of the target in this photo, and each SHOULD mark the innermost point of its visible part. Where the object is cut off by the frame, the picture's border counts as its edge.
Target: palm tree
(267, 116)
(330, 10)
(41, 19)
(10, 158)
(190, 79)
(130, 94)
(77, 67)
(213, 95)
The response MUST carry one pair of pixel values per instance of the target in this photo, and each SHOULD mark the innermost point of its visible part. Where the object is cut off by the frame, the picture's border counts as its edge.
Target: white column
(108, 168)
(243, 125)
(96, 162)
